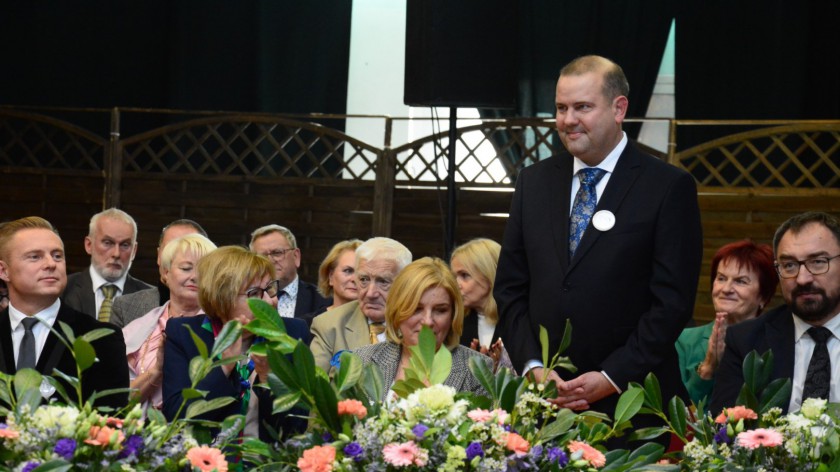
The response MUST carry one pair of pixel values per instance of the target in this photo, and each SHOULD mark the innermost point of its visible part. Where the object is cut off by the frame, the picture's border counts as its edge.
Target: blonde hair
(331, 261)
(410, 285)
(9, 229)
(481, 259)
(223, 274)
(193, 243)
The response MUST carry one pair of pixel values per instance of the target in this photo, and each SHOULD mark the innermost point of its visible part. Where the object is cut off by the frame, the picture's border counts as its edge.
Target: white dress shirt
(99, 281)
(40, 330)
(803, 348)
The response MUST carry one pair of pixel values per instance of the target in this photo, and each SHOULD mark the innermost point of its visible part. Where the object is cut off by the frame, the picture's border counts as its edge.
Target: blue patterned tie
(818, 378)
(584, 206)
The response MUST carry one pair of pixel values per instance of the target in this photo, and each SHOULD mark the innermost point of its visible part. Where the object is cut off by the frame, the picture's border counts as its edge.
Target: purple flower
(30, 466)
(354, 450)
(722, 437)
(555, 454)
(327, 437)
(474, 450)
(65, 448)
(419, 430)
(133, 445)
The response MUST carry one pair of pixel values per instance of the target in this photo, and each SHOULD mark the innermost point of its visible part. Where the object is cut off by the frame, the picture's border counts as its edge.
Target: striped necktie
(105, 309)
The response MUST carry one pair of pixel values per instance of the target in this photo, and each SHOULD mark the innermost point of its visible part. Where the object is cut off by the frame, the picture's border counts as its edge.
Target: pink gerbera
(400, 454)
(759, 437)
(207, 459)
(595, 457)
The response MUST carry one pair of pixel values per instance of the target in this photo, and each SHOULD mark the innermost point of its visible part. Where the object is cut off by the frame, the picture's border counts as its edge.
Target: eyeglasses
(277, 253)
(272, 289)
(816, 266)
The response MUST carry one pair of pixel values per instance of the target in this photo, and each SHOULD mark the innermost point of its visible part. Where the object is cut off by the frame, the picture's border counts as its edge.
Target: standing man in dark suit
(32, 264)
(619, 257)
(112, 245)
(297, 298)
(129, 307)
(803, 334)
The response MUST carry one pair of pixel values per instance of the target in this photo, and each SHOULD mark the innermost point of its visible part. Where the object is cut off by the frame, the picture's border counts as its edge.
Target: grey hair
(383, 248)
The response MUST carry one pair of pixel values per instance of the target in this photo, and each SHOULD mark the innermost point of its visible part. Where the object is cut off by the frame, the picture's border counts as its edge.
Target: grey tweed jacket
(128, 308)
(386, 355)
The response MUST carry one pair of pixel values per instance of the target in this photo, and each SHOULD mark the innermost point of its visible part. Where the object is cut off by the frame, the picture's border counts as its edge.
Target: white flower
(813, 407)
(798, 422)
(435, 398)
(60, 418)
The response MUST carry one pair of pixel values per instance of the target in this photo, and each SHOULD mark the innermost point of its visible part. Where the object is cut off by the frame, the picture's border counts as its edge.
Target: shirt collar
(800, 327)
(47, 315)
(609, 163)
(99, 281)
(292, 289)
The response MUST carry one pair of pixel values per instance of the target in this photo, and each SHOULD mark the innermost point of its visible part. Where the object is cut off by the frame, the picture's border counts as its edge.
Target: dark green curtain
(738, 59)
(283, 56)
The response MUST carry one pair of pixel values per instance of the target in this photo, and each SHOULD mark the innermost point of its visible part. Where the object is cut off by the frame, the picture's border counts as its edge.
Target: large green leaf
(199, 344)
(349, 371)
(95, 334)
(67, 331)
(629, 404)
(228, 335)
(326, 403)
(192, 393)
(284, 370)
(653, 393)
(26, 379)
(200, 407)
(285, 402)
(56, 465)
(481, 371)
(304, 364)
(544, 344)
(441, 366)
(776, 394)
(85, 354)
(677, 416)
(199, 368)
(266, 318)
(372, 383)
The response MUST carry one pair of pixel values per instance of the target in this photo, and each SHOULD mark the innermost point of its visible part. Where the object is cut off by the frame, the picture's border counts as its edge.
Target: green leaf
(98, 333)
(629, 404)
(200, 407)
(483, 374)
(26, 379)
(85, 354)
(644, 434)
(304, 365)
(441, 366)
(227, 336)
(653, 393)
(285, 402)
(192, 393)
(676, 414)
(567, 336)
(349, 371)
(647, 453)
(564, 420)
(326, 403)
(776, 394)
(372, 383)
(56, 465)
(67, 331)
(199, 344)
(544, 344)
(199, 368)
(266, 317)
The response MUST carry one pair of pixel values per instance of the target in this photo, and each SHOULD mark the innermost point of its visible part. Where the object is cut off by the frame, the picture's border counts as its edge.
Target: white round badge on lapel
(604, 220)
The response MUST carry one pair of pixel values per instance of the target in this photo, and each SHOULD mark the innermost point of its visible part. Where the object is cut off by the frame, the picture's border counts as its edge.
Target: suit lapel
(780, 332)
(626, 171)
(356, 329)
(54, 349)
(7, 354)
(559, 203)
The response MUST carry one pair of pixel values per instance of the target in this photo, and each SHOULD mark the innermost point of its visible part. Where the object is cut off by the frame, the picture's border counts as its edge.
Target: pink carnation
(735, 414)
(759, 437)
(481, 416)
(401, 454)
(317, 459)
(595, 457)
(6, 433)
(352, 407)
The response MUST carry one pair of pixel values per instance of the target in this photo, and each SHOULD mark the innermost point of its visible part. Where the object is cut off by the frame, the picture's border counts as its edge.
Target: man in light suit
(806, 247)
(378, 261)
(32, 264)
(628, 283)
(297, 299)
(112, 245)
(131, 306)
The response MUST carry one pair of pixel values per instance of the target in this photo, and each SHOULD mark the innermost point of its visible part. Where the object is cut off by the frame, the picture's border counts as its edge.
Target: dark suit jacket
(774, 331)
(470, 330)
(111, 371)
(309, 302)
(79, 294)
(628, 291)
(179, 350)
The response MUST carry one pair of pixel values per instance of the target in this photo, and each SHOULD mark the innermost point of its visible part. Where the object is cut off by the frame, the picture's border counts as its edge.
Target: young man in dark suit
(807, 247)
(32, 264)
(112, 245)
(619, 257)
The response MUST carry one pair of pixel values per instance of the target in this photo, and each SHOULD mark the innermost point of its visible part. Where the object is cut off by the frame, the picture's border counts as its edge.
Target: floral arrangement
(38, 437)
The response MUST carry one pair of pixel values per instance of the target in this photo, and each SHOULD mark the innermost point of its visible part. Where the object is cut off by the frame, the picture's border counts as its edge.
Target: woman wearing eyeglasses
(144, 336)
(743, 281)
(227, 278)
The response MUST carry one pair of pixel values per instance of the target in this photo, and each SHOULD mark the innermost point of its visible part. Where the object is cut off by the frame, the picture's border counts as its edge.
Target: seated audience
(227, 278)
(144, 335)
(425, 293)
(362, 322)
(803, 334)
(33, 266)
(743, 281)
(336, 277)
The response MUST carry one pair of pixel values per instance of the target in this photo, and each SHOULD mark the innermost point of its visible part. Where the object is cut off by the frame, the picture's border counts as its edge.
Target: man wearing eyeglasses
(361, 322)
(803, 334)
(296, 299)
